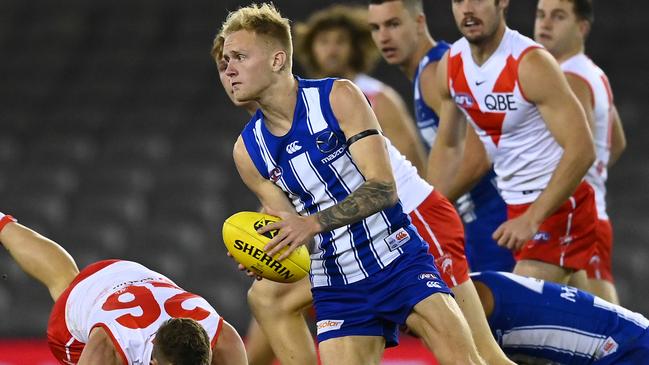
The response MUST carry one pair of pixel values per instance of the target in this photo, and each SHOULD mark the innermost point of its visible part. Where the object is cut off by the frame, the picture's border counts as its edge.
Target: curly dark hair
(351, 18)
(182, 341)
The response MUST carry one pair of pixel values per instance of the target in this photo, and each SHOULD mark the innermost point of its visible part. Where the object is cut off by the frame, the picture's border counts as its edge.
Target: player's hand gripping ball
(247, 247)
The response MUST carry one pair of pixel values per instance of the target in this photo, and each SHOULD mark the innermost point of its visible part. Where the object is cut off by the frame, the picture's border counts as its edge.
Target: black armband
(361, 135)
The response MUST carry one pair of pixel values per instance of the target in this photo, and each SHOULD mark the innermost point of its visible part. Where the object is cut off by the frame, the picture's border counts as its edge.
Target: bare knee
(262, 296)
(445, 330)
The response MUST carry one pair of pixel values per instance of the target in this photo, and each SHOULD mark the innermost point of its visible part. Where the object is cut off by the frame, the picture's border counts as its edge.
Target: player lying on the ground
(120, 312)
(537, 322)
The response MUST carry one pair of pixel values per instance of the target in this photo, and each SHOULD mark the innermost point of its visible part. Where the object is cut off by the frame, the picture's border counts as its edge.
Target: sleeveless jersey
(602, 98)
(130, 302)
(411, 188)
(428, 122)
(312, 165)
(482, 209)
(545, 320)
(515, 136)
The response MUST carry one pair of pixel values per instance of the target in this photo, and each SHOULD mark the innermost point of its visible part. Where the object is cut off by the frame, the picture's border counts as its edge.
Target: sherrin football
(247, 247)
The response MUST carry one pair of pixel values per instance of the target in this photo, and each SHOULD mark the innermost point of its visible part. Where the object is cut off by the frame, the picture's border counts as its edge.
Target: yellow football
(247, 247)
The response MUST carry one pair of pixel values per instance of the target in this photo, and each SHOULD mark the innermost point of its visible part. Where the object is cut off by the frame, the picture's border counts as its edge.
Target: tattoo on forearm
(368, 199)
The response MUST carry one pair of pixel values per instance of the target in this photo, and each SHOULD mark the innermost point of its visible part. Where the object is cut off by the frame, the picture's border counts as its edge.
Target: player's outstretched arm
(99, 350)
(39, 257)
(398, 126)
(446, 156)
(543, 83)
(229, 349)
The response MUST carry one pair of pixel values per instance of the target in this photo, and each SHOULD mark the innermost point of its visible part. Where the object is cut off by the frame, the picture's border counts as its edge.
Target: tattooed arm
(370, 155)
(368, 199)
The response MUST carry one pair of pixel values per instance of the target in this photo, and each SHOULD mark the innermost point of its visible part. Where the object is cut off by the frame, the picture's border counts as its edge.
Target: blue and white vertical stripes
(313, 167)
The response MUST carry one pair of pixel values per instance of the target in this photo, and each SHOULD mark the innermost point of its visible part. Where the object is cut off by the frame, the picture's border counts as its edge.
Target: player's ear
(421, 23)
(279, 60)
(584, 28)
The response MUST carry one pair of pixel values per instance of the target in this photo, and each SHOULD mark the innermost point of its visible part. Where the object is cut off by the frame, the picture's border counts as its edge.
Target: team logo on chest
(275, 174)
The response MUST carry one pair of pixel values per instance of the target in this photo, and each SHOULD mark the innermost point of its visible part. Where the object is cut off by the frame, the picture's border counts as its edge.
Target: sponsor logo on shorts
(444, 264)
(329, 325)
(397, 239)
(565, 240)
(434, 284)
(608, 347)
(541, 237)
(427, 276)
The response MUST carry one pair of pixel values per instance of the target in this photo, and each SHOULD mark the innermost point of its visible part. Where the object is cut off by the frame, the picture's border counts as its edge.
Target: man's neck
(481, 52)
(277, 103)
(409, 68)
(573, 51)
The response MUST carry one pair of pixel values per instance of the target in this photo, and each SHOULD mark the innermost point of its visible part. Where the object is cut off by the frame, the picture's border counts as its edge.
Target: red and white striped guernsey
(602, 100)
(515, 136)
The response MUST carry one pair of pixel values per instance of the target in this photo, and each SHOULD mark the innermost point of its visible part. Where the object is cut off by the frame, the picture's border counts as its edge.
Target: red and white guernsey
(130, 302)
(411, 188)
(602, 100)
(515, 136)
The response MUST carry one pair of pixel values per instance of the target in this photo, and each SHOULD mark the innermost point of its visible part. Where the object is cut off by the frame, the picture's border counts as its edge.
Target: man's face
(395, 31)
(556, 26)
(332, 50)
(225, 81)
(478, 20)
(249, 64)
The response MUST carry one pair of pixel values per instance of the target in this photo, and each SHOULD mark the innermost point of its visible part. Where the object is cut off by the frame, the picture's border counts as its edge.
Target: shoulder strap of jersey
(433, 55)
(253, 144)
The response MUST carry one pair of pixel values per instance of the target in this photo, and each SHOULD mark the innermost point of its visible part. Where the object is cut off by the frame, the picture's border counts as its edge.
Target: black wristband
(361, 135)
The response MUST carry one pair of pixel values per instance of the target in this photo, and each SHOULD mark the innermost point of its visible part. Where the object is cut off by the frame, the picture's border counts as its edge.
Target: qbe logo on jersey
(500, 102)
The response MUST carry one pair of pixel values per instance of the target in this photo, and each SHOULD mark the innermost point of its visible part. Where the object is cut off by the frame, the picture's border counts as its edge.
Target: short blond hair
(262, 19)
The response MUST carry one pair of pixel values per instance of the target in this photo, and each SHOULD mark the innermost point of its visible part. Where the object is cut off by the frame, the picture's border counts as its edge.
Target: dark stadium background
(115, 139)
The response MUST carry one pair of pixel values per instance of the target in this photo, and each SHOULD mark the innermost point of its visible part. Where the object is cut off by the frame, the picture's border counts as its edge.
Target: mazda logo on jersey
(500, 102)
(327, 141)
